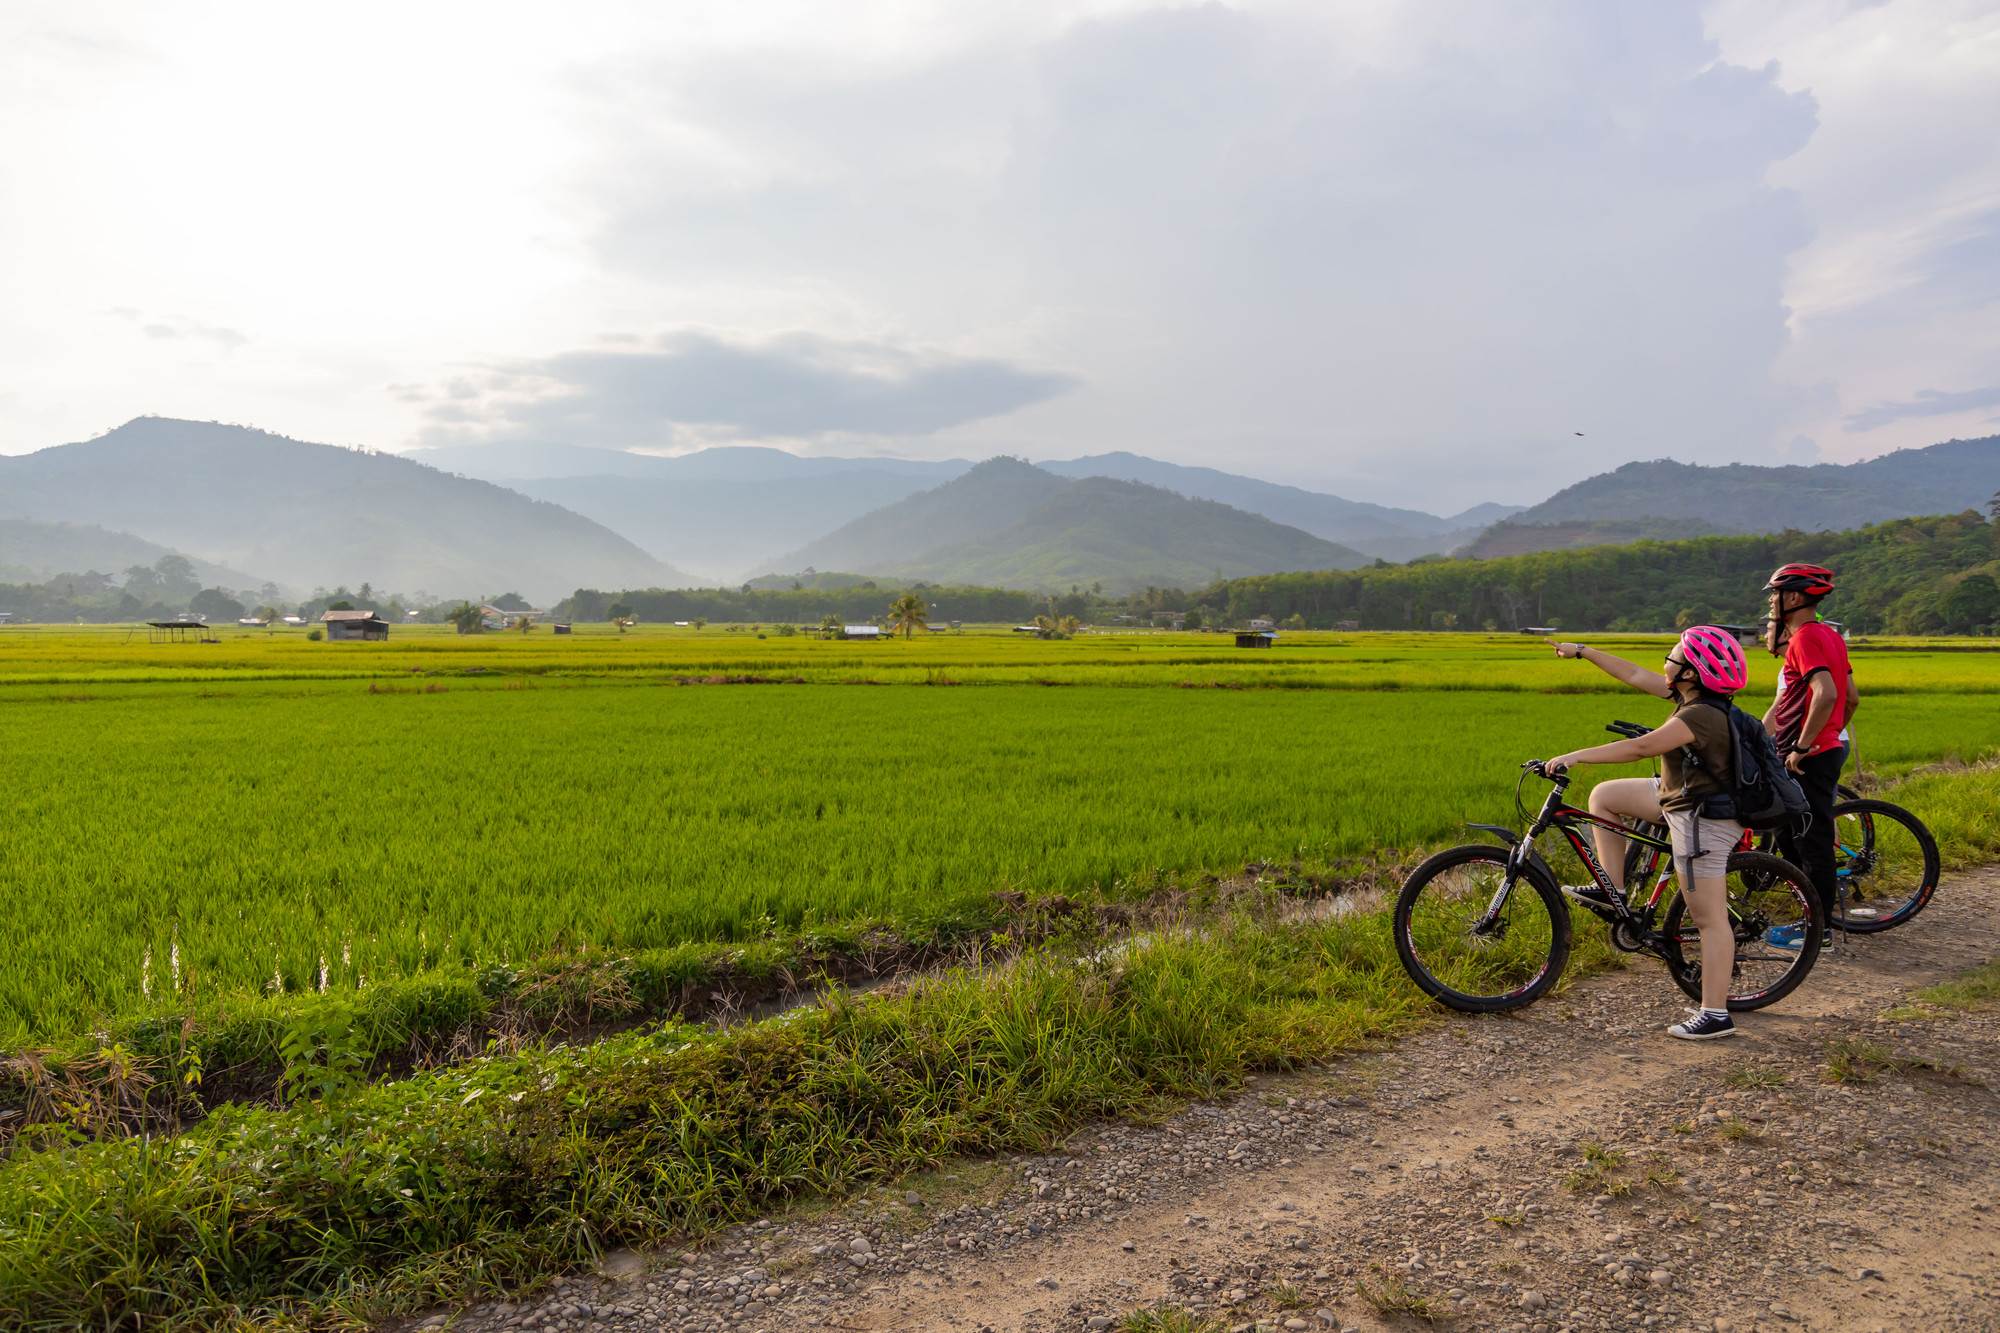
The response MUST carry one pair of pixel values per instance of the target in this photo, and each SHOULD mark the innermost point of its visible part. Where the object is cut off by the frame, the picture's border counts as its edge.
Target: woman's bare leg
(1708, 906)
(1621, 798)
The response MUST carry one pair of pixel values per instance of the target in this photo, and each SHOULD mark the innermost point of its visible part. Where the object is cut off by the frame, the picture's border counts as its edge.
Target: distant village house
(354, 626)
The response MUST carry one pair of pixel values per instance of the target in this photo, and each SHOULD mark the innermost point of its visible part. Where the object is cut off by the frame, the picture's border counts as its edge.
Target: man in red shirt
(1815, 701)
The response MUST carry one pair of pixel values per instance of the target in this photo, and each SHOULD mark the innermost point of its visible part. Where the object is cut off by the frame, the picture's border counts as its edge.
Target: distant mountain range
(718, 513)
(31, 551)
(1010, 524)
(249, 506)
(727, 511)
(1375, 530)
(313, 514)
(1665, 499)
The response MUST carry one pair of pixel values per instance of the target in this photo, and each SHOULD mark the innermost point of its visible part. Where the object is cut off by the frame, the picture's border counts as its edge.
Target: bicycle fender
(1511, 838)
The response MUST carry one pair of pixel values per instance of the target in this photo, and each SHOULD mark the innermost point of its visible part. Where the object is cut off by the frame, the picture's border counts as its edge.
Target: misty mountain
(717, 512)
(313, 514)
(1376, 530)
(1482, 514)
(1007, 523)
(1634, 501)
(719, 528)
(31, 551)
(724, 510)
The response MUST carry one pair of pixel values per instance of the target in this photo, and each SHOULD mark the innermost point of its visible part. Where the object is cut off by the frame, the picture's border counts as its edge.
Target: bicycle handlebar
(1627, 729)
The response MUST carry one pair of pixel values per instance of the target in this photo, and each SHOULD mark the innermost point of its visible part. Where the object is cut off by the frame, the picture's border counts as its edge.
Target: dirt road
(1570, 1168)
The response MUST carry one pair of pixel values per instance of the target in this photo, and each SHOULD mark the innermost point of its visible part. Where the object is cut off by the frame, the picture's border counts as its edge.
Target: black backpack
(1761, 793)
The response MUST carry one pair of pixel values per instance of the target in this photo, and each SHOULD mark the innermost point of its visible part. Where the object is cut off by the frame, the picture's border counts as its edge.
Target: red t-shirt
(1812, 648)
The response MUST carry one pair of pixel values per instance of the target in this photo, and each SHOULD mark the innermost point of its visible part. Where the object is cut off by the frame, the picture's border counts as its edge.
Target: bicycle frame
(1556, 813)
(1637, 922)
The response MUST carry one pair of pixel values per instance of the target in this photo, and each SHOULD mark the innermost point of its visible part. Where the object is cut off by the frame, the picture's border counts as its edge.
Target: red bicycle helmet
(1812, 580)
(1716, 658)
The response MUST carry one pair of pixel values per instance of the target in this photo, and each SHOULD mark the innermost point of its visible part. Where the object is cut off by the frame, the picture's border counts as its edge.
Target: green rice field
(271, 814)
(299, 1018)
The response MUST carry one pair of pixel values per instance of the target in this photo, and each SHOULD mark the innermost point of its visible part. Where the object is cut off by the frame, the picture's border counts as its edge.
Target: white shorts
(1717, 839)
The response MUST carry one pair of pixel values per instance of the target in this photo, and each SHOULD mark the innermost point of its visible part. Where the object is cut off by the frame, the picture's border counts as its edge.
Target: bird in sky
(1577, 433)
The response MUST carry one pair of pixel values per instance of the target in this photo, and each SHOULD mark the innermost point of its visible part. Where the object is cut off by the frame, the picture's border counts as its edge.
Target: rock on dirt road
(1568, 1168)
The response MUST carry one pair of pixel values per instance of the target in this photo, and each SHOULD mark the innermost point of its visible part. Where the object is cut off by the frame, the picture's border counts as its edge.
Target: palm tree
(1055, 627)
(909, 613)
(469, 618)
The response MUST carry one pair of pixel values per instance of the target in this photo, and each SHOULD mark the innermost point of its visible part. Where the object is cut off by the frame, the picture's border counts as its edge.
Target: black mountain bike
(1884, 857)
(1482, 928)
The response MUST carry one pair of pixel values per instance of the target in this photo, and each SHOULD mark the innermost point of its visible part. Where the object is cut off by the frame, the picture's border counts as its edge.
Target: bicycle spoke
(1461, 949)
(1887, 867)
(1770, 903)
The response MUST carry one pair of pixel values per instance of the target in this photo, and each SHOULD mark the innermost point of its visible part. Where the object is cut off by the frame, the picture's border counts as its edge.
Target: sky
(1404, 252)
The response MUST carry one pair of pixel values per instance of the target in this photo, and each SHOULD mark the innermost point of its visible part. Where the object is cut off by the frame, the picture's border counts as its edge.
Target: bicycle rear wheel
(1887, 864)
(1766, 894)
(1462, 959)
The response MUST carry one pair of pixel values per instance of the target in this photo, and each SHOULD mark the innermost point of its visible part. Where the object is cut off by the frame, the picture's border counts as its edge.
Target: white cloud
(796, 387)
(1896, 292)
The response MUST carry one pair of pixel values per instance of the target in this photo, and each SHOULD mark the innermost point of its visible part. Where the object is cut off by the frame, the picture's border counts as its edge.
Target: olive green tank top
(1684, 786)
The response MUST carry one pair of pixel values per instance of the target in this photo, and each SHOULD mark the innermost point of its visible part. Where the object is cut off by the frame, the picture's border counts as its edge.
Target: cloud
(795, 386)
(1394, 259)
(170, 328)
(1926, 403)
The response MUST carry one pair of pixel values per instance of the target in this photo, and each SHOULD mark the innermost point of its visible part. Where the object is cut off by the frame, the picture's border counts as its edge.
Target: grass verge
(161, 1071)
(372, 1199)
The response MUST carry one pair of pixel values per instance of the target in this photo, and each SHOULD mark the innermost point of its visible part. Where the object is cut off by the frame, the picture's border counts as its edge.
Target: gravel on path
(1567, 1168)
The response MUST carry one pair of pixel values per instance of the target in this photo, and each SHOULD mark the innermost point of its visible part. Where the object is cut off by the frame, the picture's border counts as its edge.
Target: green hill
(1512, 537)
(1372, 529)
(1639, 499)
(1909, 576)
(1009, 524)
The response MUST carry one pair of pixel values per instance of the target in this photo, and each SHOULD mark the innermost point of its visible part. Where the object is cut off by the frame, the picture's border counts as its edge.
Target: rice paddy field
(344, 980)
(272, 815)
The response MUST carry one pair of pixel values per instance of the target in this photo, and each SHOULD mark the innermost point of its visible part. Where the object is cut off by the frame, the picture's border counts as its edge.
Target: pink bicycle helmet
(1717, 658)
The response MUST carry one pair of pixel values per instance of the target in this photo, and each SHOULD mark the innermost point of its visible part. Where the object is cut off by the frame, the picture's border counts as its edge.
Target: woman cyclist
(1706, 666)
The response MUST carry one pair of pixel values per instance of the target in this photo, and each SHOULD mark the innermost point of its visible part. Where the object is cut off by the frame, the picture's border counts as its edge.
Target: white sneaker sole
(1681, 1035)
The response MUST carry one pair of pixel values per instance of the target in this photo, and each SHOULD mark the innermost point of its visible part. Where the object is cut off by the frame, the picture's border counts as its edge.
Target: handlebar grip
(1629, 729)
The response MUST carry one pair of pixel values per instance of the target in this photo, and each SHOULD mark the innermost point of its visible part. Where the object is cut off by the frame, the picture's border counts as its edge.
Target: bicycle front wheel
(1771, 904)
(1474, 942)
(1886, 862)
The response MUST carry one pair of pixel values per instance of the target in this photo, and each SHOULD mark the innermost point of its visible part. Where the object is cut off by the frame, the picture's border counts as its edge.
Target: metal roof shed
(354, 626)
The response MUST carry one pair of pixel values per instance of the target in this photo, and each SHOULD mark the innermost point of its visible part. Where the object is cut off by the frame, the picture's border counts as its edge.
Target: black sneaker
(1701, 1025)
(1592, 895)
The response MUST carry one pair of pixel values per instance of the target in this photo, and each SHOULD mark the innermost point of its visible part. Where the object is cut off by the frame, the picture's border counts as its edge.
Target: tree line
(1934, 575)
(863, 603)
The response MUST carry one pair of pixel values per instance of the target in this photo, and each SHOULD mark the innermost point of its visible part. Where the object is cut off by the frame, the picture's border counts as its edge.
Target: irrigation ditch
(162, 1073)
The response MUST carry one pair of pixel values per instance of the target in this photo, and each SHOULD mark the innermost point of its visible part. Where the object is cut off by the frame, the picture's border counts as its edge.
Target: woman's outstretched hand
(1568, 649)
